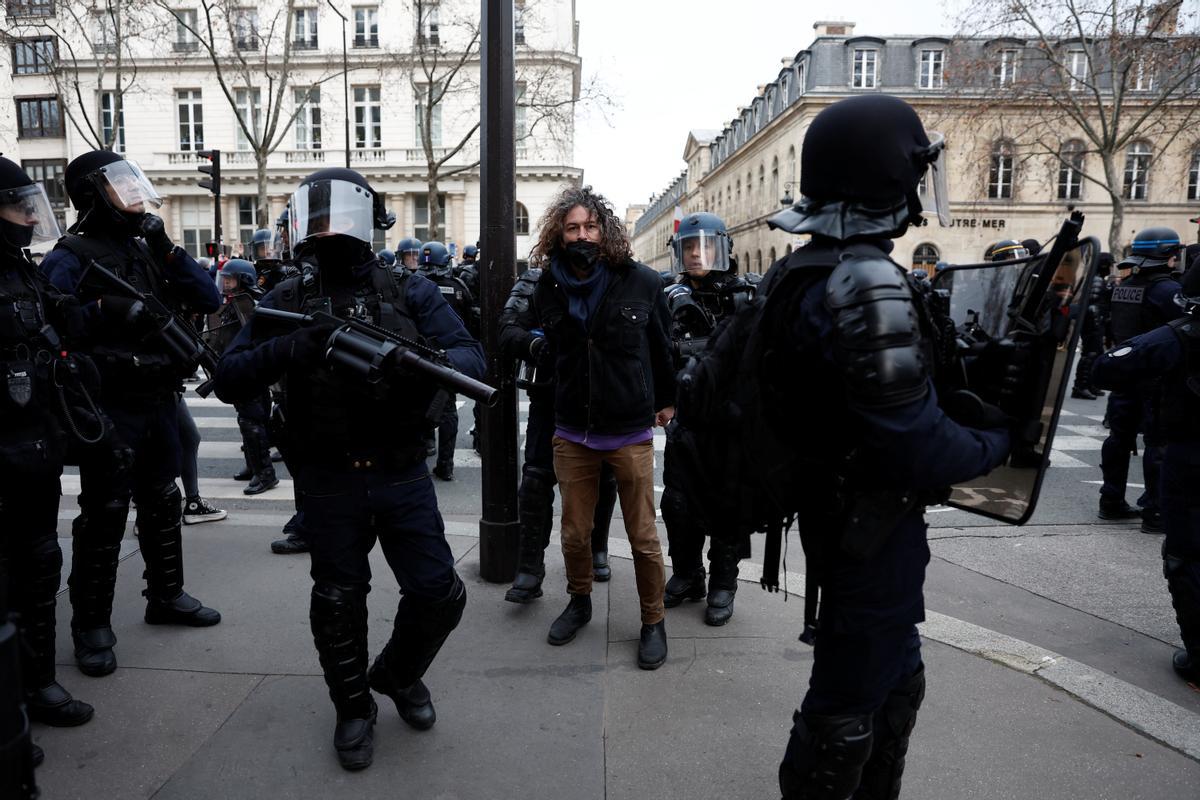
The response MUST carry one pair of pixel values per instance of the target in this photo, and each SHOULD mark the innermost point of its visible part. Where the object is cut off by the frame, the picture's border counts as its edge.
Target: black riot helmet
(336, 204)
(1188, 297)
(1007, 250)
(1153, 248)
(241, 271)
(387, 257)
(470, 254)
(281, 241)
(106, 188)
(25, 212)
(435, 257)
(261, 246)
(862, 161)
(701, 245)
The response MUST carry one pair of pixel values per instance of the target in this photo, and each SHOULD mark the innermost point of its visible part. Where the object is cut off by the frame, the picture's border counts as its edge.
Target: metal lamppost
(498, 529)
(345, 78)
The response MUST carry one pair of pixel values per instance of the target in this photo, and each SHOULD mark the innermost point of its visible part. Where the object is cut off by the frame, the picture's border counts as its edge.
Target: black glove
(539, 351)
(155, 234)
(125, 311)
(305, 346)
(966, 408)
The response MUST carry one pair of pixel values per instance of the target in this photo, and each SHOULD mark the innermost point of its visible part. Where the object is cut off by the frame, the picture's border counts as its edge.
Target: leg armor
(158, 520)
(38, 586)
(825, 757)
(418, 633)
(447, 436)
(685, 540)
(96, 536)
(535, 500)
(893, 725)
(338, 616)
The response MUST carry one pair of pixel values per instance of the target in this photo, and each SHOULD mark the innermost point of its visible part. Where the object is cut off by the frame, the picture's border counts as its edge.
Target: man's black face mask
(583, 255)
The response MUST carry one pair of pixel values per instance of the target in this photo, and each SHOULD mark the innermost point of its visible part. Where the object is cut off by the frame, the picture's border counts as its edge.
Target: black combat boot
(684, 586)
(53, 705)
(247, 472)
(1151, 520)
(893, 725)
(577, 614)
(535, 507)
(418, 633)
(1183, 582)
(722, 581)
(1186, 665)
(96, 547)
(294, 541)
(162, 550)
(338, 616)
(652, 645)
(825, 756)
(1118, 510)
(258, 456)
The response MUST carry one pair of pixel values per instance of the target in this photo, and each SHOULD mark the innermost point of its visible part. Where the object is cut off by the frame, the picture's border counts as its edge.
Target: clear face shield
(332, 208)
(700, 252)
(935, 156)
(127, 187)
(28, 209)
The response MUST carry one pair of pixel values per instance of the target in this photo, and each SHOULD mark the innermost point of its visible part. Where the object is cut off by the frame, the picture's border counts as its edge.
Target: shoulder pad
(526, 283)
(877, 338)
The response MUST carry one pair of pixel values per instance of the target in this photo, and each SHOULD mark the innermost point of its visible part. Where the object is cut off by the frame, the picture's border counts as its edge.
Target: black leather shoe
(525, 589)
(245, 475)
(94, 651)
(262, 483)
(1082, 394)
(577, 614)
(53, 705)
(414, 703)
(292, 544)
(1187, 667)
(684, 587)
(1098, 392)
(1151, 521)
(601, 571)
(181, 610)
(444, 472)
(720, 607)
(1118, 511)
(354, 740)
(652, 647)
(37, 755)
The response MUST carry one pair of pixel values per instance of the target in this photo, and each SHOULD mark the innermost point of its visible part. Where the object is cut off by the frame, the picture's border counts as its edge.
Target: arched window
(522, 215)
(771, 257)
(749, 191)
(787, 251)
(1194, 176)
(925, 256)
(762, 187)
(737, 196)
(758, 261)
(729, 200)
(1000, 175)
(1137, 169)
(775, 195)
(746, 259)
(1070, 170)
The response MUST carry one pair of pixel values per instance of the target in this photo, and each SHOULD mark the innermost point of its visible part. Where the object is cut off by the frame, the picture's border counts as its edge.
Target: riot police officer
(435, 264)
(522, 339)
(1091, 337)
(1140, 303)
(1171, 353)
(408, 253)
(467, 271)
(387, 258)
(1007, 250)
(33, 317)
(239, 290)
(358, 454)
(141, 388)
(850, 353)
(706, 289)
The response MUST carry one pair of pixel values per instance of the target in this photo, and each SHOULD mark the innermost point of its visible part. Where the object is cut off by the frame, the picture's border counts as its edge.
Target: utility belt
(367, 460)
(136, 376)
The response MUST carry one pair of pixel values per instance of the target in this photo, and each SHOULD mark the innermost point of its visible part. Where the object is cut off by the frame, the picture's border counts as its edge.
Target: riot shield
(1017, 325)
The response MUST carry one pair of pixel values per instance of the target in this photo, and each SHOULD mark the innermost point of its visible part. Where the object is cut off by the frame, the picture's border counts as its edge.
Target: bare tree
(251, 51)
(1084, 82)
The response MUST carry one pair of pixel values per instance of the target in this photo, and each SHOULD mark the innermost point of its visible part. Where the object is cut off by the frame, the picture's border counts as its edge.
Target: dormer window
(866, 69)
(931, 71)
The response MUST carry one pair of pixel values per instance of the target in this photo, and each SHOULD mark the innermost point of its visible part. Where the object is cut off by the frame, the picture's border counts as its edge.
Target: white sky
(675, 65)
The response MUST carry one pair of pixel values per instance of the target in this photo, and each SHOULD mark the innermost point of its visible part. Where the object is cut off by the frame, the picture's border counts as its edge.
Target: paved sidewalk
(240, 710)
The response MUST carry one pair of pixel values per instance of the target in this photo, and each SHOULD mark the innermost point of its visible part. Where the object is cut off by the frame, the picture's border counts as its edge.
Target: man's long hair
(614, 243)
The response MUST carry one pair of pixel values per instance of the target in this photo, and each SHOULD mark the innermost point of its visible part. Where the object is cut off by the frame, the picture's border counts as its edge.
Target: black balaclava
(13, 237)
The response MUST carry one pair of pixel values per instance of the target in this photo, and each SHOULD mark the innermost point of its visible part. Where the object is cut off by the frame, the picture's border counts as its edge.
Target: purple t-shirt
(604, 441)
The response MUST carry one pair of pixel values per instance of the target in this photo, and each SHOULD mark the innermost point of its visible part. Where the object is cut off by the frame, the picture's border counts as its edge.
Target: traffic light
(212, 249)
(213, 170)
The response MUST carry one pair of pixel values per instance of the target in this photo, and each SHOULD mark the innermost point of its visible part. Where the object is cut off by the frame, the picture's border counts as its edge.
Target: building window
(785, 87)
(925, 257)
(50, 174)
(521, 120)
(249, 110)
(1070, 170)
(304, 29)
(246, 226)
(366, 26)
(522, 221)
(1077, 67)
(519, 22)
(185, 23)
(932, 63)
(245, 28)
(737, 195)
(104, 32)
(774, 180)
(308, 120)
(1194, 177)
(196, 216)
(30, 8)
(424, 96)
(1004, 73)
(1000, 176)
(865, 69)
(1144, 76)
(368, 117)
(112, 139)
(1137, 168)
(38, 118)
(191, 119)
(428, 32)
(421, 215)
(758, 261)
(33, 56)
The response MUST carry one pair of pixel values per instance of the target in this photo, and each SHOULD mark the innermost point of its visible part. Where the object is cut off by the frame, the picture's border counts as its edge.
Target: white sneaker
(197, 510)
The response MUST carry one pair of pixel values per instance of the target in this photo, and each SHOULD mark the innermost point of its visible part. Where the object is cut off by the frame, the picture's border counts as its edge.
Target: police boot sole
(288, 547)
(1119, 514)
(158, 615)
(522, 596)
(716, 616)
(259, 488)
(60, 716)
(673, 600)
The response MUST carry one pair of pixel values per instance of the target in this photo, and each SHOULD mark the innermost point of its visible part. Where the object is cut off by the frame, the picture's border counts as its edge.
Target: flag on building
(678, 217)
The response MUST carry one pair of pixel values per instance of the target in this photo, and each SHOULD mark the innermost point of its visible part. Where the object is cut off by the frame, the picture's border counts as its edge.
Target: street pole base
(498, 550)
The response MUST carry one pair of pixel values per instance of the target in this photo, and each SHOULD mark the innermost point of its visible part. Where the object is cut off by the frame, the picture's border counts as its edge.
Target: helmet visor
(939, 180)
(332, 208)
(29, 207)
(700, 251)
(127, 186)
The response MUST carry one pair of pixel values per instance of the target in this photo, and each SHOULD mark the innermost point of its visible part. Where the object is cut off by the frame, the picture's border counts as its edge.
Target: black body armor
(1181, 387)
(1131, 314)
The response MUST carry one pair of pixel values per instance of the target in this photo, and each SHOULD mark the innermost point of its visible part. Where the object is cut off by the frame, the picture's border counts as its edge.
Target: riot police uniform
(1140, 303)
(141, 390)
(467, 271)
(360, 456)
(1091, 338)
(520, 338)
(851, 355)
(1171, 353)
(435, 264)
(35, 318)
(706, 290)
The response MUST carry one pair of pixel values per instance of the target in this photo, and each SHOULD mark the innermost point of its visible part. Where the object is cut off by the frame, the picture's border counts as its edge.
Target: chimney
(834, 28)
(1163, 18)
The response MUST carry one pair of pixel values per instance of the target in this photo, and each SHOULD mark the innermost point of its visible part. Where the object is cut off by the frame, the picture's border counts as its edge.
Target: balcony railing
(411, 156)
(304, 156)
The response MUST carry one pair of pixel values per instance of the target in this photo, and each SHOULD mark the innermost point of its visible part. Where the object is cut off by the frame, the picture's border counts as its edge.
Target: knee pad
(674, 509)
(335, 605)
(442, 616)
(46, 560)
(825, 756)
(161, 508)
(536, 491)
